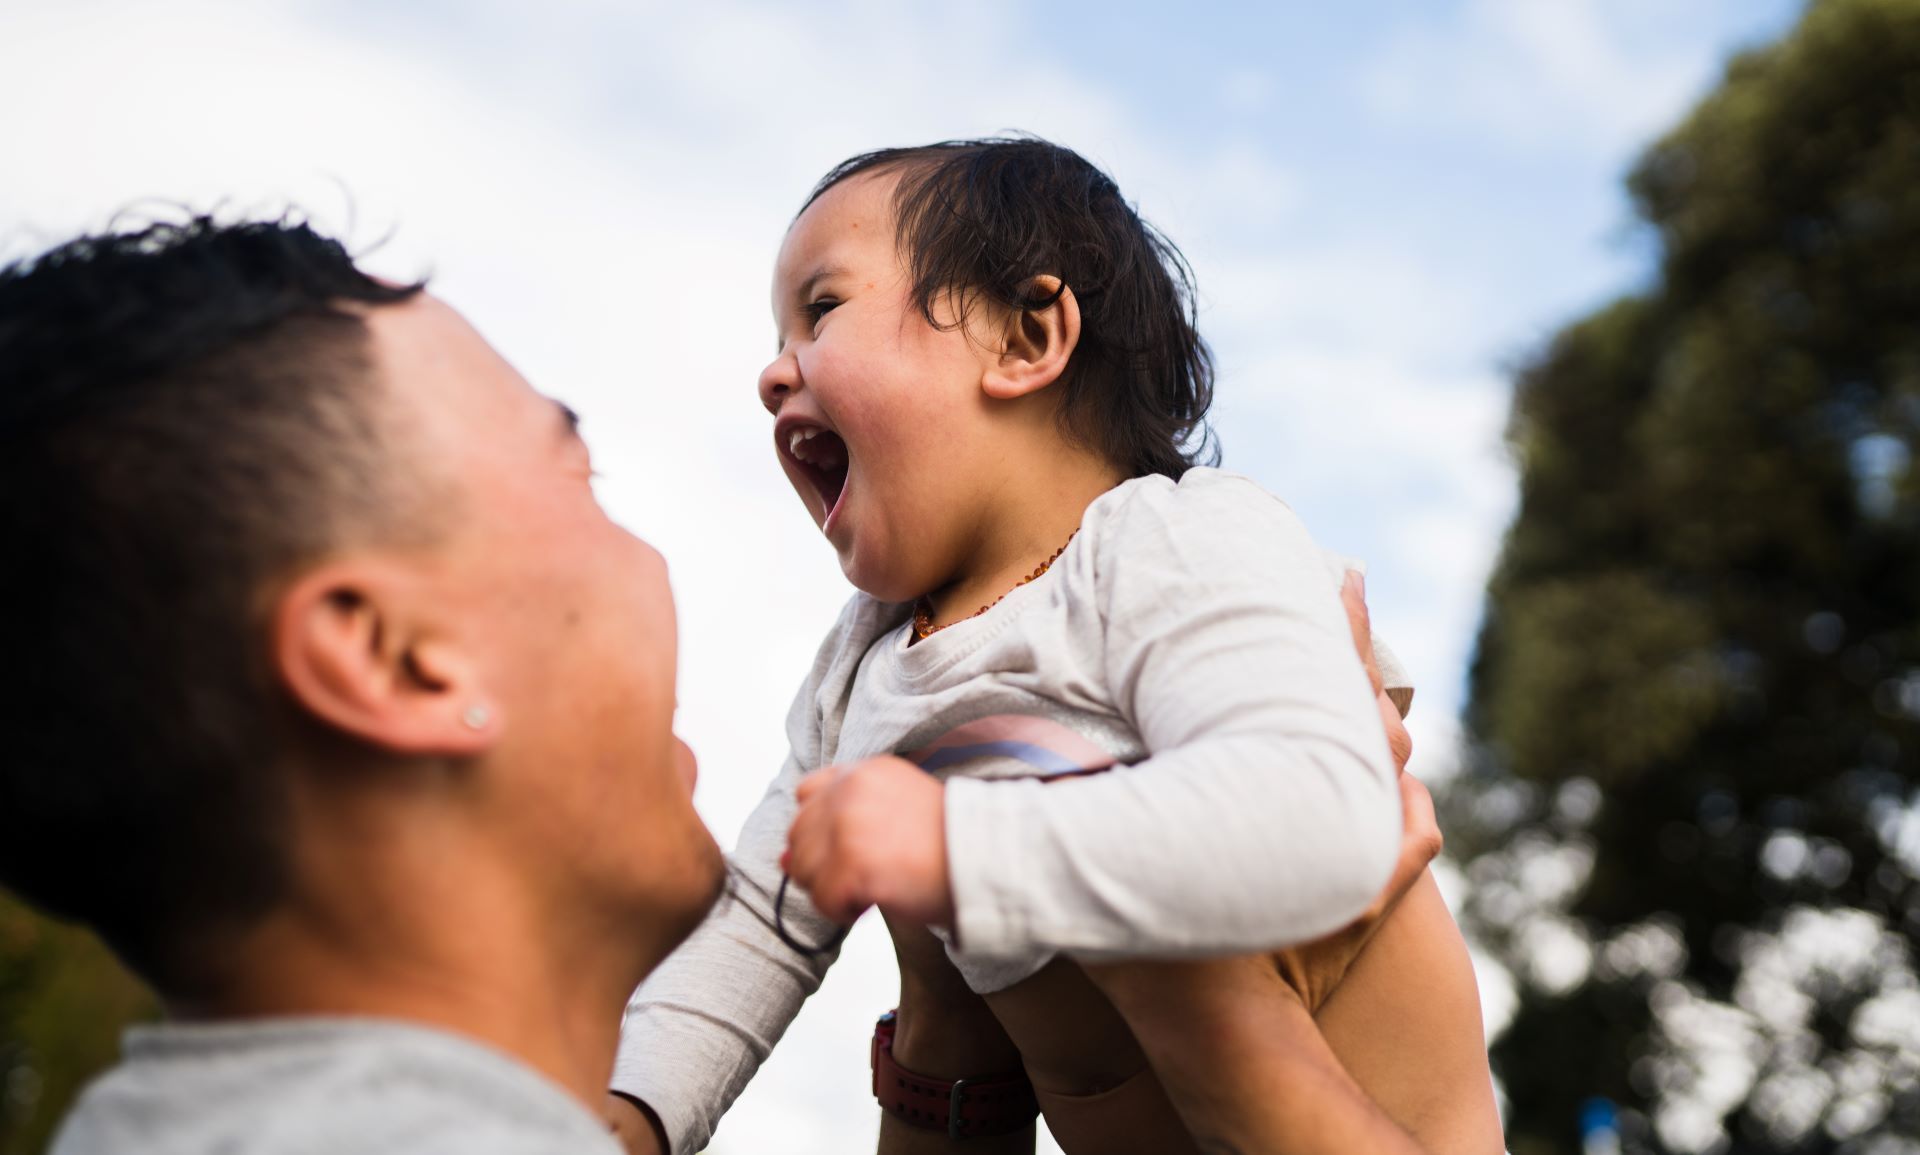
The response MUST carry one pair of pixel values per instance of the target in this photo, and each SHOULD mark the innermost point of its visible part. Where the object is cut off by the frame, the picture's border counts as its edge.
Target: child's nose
(779, 380)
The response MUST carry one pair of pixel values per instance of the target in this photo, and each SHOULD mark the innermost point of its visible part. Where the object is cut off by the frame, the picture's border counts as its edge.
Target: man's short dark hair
(984, 218)
(187, 412)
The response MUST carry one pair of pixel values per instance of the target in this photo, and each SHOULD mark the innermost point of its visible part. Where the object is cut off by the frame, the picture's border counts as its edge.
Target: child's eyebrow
(815, 277)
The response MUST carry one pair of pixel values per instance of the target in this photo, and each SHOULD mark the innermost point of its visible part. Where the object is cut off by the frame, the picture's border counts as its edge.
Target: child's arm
(1269, 813)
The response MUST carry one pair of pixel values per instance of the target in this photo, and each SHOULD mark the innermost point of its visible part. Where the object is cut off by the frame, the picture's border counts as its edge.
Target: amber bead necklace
(923, 627)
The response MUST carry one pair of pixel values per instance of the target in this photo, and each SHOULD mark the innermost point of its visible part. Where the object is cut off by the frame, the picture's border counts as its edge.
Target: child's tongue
(827, 465)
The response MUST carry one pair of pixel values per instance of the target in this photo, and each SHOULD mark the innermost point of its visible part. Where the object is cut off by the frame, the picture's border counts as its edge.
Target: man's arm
(704, 1021)
(636, 1126)
(1406, 1024)
(700, 1026)
(1244, 1064)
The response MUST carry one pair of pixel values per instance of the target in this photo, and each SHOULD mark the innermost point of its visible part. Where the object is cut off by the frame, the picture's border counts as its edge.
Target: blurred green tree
(63, 1002)
(1691, 813)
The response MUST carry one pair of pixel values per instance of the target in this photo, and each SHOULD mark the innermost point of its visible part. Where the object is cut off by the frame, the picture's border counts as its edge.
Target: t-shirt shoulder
(1207, 514)
(295, 1087)
(862, 620)
(1203, 492)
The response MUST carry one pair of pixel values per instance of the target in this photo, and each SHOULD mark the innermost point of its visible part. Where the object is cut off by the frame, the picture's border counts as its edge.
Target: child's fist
(873, 833)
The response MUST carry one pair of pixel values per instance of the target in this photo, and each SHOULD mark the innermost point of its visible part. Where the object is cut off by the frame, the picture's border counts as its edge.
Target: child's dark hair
(985, 218)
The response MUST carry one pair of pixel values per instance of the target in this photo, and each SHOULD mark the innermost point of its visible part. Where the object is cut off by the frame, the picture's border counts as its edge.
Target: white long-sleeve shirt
(1192, 636)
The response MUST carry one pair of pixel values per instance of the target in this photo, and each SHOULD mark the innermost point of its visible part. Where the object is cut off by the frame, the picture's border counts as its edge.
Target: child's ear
(1038, 343)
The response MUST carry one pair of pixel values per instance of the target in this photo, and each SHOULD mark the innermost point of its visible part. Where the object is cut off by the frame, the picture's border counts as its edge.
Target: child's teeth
(797, 441)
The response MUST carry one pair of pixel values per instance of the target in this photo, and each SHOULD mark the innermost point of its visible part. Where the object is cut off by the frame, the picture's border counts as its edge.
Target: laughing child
(991, 397)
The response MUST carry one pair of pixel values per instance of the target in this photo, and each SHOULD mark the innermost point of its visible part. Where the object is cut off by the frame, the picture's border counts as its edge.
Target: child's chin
(850, 564)
(874, 581)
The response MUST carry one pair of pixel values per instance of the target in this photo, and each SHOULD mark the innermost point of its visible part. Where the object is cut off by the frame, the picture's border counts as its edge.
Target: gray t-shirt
(320, 1086)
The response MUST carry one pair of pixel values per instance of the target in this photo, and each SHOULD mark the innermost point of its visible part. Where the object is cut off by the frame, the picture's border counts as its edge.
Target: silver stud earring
(476, 717)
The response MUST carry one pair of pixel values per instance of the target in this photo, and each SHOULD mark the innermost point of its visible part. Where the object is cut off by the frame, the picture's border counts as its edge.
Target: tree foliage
(63, 1003)
(1696, 690)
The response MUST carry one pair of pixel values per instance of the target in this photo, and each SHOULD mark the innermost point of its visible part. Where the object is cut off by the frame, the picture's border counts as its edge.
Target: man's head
(298, 569)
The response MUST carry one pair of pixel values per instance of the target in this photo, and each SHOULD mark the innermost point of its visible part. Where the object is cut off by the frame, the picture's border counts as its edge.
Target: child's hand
(873, 833)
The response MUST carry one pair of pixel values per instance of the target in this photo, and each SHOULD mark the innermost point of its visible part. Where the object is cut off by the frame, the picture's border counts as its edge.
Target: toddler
(991, 396)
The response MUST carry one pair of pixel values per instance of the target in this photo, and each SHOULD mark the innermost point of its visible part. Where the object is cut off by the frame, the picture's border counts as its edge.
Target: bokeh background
(1593, 325)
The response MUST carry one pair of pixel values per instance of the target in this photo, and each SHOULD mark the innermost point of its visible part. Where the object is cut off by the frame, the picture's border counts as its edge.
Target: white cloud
(1344, 296)
(1568, 75)
(1404, 468)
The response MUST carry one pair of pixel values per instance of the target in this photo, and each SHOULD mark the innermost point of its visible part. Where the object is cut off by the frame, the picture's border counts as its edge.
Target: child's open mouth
(821, 457)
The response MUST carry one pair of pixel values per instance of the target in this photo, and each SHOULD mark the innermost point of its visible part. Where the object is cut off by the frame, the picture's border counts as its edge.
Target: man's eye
(820, 308)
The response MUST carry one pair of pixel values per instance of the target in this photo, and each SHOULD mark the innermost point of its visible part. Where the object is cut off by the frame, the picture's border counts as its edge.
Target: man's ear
(1037, 344)
(352, 646)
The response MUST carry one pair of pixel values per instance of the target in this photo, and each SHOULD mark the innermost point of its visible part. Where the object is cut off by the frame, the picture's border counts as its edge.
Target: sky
(1388, 204)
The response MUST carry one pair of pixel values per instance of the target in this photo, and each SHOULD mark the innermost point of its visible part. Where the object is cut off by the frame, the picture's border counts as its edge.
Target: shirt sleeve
(702, 1023)
(1268, 811)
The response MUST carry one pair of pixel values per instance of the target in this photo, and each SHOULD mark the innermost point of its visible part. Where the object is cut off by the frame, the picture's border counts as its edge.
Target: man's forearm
(1244, 1064)
(1301, 1102)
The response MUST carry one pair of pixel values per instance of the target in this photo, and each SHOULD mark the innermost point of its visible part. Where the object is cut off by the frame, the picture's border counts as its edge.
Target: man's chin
(713, 872)
(670, 913)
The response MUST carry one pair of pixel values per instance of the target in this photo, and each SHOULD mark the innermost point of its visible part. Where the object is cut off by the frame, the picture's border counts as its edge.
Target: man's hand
(638, 1131)
(1353, 596)
(1315, 969)
(872, 833)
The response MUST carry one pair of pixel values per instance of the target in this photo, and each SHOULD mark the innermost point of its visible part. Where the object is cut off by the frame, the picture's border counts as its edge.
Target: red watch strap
(963, 1108)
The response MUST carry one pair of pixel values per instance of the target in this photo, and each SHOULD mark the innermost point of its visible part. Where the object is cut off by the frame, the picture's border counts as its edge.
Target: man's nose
(779, 380)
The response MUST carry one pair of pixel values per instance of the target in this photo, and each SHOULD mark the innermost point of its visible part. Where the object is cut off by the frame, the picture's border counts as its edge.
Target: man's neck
(552, 1001)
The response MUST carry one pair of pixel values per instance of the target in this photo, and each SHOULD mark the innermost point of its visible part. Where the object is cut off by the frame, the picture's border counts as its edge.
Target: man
(337, 705)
